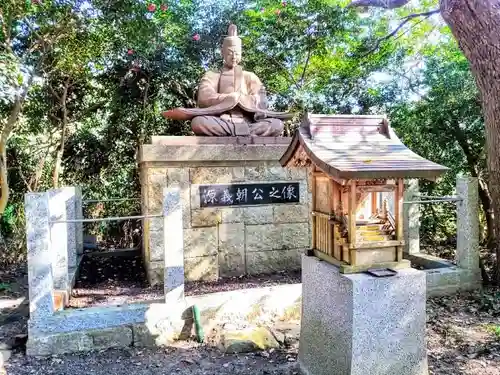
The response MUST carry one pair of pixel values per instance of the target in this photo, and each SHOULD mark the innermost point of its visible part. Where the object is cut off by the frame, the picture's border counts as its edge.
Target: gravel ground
(243, 282)
(463, 333)
(183, 361)
(463, 338)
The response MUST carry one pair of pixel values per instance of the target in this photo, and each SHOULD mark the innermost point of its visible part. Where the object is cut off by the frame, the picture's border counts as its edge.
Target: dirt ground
(112, 280)
(182, 361)
(116, 280)
(463, 338)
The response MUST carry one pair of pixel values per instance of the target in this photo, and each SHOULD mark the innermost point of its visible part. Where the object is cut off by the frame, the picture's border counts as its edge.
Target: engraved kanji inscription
(249, 194)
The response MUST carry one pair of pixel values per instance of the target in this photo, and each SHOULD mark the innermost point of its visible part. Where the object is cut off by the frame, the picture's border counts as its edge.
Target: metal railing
(110, 200)
(100, 219)
(434, 199)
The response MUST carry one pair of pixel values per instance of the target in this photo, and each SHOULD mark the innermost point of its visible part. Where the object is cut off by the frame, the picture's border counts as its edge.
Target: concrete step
(373, 238)
(368, 221)
(369, 228)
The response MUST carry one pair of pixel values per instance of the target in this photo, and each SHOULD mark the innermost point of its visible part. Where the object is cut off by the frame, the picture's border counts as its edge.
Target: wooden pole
(313, 205)
(352, 221)
(398, 203)
(374, 203)
(331, 210)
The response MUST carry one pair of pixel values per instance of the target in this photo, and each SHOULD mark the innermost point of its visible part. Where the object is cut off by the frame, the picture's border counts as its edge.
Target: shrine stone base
(224, 241)
(358, 324)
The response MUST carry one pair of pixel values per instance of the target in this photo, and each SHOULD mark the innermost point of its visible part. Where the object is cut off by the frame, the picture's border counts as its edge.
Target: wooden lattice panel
(322, 195)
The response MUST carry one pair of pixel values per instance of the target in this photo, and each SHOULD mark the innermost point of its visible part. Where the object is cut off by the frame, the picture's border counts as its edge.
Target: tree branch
(302, 77)
(282, 66)
(64, 119)
(386, 4)
(54, 93)
(309, 54)
(93, 108)
(423, 14)
(401, 25)
(6, 28)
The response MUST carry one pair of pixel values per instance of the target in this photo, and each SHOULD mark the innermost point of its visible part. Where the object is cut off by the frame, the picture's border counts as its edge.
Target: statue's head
(231, 48)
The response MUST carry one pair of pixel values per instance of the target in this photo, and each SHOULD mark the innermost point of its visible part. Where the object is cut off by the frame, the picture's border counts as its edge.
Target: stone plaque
(249, 194)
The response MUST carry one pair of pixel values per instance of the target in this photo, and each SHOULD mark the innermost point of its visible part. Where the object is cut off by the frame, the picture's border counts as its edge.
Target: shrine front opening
(375, 235)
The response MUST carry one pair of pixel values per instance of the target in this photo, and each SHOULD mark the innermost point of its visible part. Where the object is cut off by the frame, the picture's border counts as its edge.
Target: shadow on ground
(462, 339)
(182, 361)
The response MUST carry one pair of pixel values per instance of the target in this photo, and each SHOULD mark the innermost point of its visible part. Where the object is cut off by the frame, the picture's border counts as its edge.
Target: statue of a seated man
(231, 102)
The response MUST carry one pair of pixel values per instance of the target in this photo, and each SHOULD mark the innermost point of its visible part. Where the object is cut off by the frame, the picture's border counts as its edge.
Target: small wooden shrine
(357, 169)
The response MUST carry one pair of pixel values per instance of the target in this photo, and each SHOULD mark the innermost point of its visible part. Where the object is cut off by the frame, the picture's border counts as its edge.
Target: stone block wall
(444, 277)
(223, 241)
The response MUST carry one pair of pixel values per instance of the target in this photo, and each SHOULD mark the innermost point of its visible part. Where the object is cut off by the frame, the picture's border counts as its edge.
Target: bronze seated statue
(231, 102)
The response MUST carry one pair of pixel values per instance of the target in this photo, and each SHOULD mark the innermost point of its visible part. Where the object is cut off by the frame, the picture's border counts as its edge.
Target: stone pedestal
(63, 242)
(41, 281)
(467, 255)
(174, 246)
(359, 324)
(411, 217)
(79, 215)
(222, 241)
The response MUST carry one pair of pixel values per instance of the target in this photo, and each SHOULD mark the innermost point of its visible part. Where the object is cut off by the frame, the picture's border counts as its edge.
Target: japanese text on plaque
(248, 194)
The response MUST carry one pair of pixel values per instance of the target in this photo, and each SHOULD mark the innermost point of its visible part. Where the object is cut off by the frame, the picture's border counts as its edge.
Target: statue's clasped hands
(235, 96)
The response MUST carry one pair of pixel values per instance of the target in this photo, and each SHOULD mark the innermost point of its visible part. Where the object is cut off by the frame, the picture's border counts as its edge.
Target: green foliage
(5, 287)
(444, 125)
(123, 63)
(494, 329)
(8, 220)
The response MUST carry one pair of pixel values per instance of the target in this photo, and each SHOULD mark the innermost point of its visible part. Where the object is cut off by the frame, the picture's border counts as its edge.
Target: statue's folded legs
(236, 126)
(212, 126)
(269, 127)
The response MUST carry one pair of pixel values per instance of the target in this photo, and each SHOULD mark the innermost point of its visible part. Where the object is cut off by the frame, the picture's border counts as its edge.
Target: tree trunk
(4, 137)
(476, 26)
(485, 197)
(62, 142)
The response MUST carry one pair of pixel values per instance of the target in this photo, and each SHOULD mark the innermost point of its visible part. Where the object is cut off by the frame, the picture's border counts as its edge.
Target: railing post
(467, 254)
(41, 283)
(411, 217)
(79, 215)
(173, 235)
(62, 205)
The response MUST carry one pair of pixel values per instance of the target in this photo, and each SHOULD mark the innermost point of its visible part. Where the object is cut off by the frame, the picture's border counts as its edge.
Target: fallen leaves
(459, 334)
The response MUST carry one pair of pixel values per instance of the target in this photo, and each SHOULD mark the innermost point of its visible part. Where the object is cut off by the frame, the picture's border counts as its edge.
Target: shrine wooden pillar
(374, 203)
(329, 225)
(352, 222)
(398, 212)
(313, 208)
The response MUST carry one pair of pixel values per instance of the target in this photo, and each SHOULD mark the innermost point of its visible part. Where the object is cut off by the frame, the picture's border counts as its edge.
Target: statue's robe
(219, 114)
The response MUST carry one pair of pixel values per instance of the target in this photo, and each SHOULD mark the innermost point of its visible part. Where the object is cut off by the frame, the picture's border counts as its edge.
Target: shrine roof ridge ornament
(356, 147)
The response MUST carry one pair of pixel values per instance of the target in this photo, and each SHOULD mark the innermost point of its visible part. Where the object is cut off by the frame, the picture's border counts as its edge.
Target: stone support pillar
(36, 207)
(62, 205)
(358, 324)
(411, 218)
(173, 234)
(79, 215)
(467, 254)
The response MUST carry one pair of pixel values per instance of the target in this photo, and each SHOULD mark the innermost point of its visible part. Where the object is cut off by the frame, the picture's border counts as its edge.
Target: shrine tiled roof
(356, 147)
